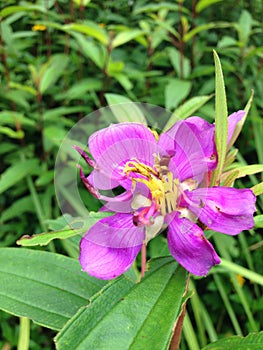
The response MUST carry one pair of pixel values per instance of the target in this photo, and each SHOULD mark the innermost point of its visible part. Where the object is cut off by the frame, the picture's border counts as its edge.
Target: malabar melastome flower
(165, 185)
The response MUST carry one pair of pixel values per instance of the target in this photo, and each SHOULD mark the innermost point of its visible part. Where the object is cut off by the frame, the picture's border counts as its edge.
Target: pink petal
(114, 146)
(233, 119)
(110, 246)
(224, 209)
(190, 248)
(192, 157)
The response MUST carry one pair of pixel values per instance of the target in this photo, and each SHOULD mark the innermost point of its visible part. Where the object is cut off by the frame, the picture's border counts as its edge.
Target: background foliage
(60, 60)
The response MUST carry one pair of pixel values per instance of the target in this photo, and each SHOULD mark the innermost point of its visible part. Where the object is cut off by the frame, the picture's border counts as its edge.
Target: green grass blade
(221, 122)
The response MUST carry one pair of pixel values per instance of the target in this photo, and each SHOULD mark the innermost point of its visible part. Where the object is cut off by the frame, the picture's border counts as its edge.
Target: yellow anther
(162, 185)
(155, 134)
(139, 168)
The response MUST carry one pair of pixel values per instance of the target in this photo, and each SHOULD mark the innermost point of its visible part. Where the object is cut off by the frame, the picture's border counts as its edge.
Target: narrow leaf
(257, 189)
(15, 9)
(17, 172)
(53, 71)
(124, 109)
(90, 29)
(126, 36)
(80, 228)
(131, 323)
(187, 109)
(221, 122)
(239, 172)
(45, 287)
(253, 341)
(203, 4)
(240, 124)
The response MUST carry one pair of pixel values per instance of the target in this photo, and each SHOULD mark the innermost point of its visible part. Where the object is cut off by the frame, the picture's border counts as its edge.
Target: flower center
(159, 180)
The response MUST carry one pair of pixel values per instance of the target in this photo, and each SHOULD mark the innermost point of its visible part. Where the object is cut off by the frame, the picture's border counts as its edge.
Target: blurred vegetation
(60, 59)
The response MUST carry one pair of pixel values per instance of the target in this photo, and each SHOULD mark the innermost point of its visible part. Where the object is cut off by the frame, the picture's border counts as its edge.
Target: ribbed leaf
(45, 287)
(141, 318)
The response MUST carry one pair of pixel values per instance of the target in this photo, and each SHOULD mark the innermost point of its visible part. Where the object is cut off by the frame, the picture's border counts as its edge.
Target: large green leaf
(124, 109)
(253, 341)
(141, 318)
(221, 121)
(45, 287)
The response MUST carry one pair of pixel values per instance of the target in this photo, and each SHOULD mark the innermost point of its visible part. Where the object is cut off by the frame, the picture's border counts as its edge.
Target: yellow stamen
(155, 134)
(163, 188)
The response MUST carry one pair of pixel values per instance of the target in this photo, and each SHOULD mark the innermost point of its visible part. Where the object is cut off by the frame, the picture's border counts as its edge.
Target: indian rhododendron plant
(165, 181)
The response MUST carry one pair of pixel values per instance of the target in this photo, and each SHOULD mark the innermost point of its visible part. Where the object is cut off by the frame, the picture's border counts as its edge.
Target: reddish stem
(143, 254)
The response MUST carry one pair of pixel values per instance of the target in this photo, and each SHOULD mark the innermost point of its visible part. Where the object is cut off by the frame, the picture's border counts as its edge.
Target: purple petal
(233, 119)
(110, 246)
(224, 209)
(190, 248)
(114, 146)
(192, 158)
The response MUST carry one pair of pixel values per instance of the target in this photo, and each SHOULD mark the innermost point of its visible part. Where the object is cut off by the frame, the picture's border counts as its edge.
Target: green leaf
(175, 91)
(45, 287)
(221, 121)
(189, 35)
(89, 28)
(187, 109)
(77, 226)
(79, 89)
(175, 58)
(252, 341)
(258, 221)
(126, 36)
(20, 206)
(118, 321)
(243, 171)
(244, 27)
(93, 50)
(124, 109)
(203, 4)
(257, 189)
(17, 172)
(240, 124)
(157, 7)
(53, 72)
(11, 133)
(14, 9)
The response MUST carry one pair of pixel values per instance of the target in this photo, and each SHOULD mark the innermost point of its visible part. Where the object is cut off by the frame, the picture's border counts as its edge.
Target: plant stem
(24, 334)
(143, 253)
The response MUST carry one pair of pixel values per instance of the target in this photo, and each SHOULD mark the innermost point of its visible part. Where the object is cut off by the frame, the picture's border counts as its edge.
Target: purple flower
(163, 179)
